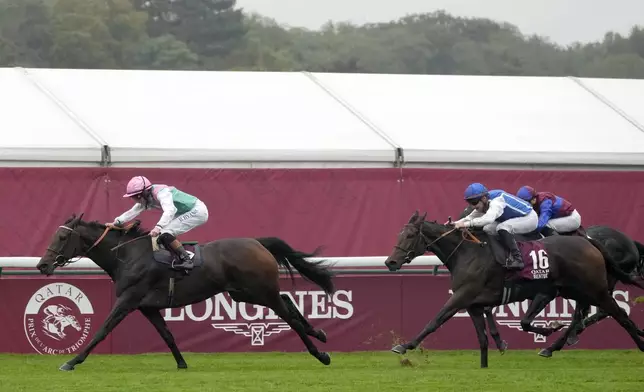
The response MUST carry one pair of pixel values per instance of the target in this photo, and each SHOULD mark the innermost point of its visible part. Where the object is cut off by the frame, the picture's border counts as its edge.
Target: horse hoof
(322, 336)
(399, 349)
(182, 365)
(545, 353)
(504, 346)
(66, 367)
(325, 358)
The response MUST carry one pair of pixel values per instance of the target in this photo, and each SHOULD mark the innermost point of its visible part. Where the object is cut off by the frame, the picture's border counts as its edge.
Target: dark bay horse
(627, 253)
(246, 268)
(577, 269)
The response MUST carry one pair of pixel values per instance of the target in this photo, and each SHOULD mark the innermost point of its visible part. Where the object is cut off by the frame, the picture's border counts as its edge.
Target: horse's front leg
(476, 314)
(456, 302)
(155, 318)
(501, 344)
(124, 305)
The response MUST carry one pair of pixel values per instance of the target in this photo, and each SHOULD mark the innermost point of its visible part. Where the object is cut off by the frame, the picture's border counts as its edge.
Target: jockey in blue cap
(497, 211)
(556, 214)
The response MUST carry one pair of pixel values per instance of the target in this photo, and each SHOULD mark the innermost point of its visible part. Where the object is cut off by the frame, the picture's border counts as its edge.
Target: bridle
(61, 259)
(427, 243)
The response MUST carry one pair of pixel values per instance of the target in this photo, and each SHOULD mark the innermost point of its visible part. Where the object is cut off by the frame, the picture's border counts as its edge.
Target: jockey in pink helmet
(181, 212)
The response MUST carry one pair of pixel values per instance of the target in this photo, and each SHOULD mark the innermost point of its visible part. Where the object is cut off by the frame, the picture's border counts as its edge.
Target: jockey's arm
(494, 211)
(472, 215)
(545, 213)
(129, 214)
(169, 210)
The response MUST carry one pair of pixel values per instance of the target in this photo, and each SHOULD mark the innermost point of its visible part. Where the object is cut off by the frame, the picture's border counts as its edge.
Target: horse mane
(134, 232)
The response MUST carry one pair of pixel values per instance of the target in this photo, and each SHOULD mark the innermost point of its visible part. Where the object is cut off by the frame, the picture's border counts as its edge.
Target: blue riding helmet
(475, 191)
(526, 193)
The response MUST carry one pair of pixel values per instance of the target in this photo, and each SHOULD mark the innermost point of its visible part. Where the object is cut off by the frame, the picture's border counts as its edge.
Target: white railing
(368, 261)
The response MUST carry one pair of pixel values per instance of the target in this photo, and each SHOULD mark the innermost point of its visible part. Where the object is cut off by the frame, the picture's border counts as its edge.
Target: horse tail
(612, 267)
(640, 262)
(313, 271)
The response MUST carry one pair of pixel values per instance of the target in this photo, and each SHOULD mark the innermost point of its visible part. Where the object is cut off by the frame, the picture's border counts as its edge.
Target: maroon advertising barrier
(351, 212)
(358, 316)
(53, 316)
(59, 315)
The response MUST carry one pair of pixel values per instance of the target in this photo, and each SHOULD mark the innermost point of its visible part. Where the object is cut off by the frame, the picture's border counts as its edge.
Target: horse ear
(76, 219)
(413, 217)
(422, 218)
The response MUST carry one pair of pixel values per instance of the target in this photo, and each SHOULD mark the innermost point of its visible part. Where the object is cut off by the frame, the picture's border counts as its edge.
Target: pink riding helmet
(137, 185)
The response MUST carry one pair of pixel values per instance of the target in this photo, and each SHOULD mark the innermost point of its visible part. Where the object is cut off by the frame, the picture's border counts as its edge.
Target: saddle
(501, 254)
(167, 257)
(162, 255)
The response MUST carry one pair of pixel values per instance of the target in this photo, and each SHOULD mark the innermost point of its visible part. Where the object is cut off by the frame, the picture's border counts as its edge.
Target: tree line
(218, 35)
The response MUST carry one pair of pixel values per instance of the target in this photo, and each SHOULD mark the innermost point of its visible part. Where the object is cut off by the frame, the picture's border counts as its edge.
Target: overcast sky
(563, 21)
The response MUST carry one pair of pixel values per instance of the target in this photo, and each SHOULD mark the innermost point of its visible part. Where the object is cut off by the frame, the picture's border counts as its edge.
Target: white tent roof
(625, 95)
(197, 118)
(495, 119)
(223, 116)
(33, 127)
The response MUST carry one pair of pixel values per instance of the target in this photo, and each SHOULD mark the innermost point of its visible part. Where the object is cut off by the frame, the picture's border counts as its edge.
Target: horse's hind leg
(585, 323)
(318, 334)
(580, 310)
(609, 305)
(244, 296)
(280, 308)
(154, 317)
(539, 303)
(273, 300)
(501, 344)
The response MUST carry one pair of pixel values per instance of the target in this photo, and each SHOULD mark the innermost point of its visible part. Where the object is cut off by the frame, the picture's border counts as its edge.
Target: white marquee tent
(266, 119)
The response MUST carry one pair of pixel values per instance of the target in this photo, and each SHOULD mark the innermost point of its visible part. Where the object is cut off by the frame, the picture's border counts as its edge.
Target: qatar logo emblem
(255, 331)
(58, 319)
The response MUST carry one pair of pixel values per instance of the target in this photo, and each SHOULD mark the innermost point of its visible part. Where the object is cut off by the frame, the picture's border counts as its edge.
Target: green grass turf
(517, 371)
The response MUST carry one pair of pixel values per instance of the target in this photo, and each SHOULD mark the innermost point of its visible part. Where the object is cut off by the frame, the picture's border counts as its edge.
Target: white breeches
(565, 224)
(197, 216)
(520, 225)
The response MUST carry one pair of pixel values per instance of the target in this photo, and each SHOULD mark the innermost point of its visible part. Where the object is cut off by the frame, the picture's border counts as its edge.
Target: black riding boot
(547, 231)
(172, 243)
(514, 261)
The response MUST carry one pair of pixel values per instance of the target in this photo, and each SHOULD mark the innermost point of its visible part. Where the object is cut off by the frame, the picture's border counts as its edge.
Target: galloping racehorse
(572, 267)
(246, 268)
(627, 253)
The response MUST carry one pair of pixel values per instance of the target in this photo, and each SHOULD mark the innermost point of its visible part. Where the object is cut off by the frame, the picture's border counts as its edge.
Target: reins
(466, 235)
(61, 260)
(127, 242)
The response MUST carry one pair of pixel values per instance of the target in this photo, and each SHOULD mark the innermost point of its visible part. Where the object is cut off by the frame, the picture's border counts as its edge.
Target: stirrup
(512, 264)
(187, 264)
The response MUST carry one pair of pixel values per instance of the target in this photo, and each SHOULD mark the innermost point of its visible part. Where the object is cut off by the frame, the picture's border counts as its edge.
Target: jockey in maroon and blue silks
(555, 213)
